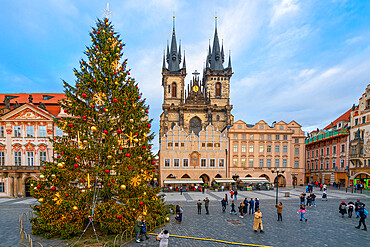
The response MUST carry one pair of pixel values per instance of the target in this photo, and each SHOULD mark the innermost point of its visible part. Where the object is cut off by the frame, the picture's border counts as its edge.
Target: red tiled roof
(37, 97)
(344, 117)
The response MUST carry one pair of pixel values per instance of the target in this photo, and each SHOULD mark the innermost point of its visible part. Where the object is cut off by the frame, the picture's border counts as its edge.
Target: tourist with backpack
(343, 208)
(350, 208)
(362, 212)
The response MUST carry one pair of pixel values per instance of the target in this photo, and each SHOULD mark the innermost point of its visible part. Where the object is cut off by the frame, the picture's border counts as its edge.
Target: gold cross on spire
(107, 12)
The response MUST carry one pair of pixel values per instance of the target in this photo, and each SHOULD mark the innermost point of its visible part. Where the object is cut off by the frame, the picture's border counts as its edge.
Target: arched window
(218, 89)
(174, 90)
(195, 125)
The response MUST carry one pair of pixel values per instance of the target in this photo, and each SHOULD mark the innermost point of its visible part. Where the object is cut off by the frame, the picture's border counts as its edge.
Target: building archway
(171, 176)
(218, 176)
(362, 178)
(248, 176)
(27, 187)
(205, 178)
(282, 181)
(267, 177)
(185, 176)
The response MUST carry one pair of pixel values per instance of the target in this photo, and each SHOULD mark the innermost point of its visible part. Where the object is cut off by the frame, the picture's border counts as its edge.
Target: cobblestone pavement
(325, 226)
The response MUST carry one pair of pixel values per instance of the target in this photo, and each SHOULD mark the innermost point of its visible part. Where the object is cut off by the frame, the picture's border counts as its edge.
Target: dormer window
(47, 97)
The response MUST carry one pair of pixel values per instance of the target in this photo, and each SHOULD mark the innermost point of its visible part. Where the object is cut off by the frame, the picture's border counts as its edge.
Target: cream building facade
(255, 149)
(201, 156)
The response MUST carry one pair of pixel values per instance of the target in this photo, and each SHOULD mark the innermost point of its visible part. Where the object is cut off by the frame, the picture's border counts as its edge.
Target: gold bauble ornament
(75, 208)
(93, 128)
(144, 213)
(131, 120)
(106, 109)
(116, 82)
(41, 176)
(60, 165)
(142, 111)
(83, 191)
(107, 25)
(109, 157)
(123, 186)
(155, 179)
(117, 54)
(167, 219)
(140, 158)
(133, 209)
(88, 49)
(104, 58)
(40, 199)
(136, 140)
(53, 175)
(31, 185)
(85, 141)
(144, 193)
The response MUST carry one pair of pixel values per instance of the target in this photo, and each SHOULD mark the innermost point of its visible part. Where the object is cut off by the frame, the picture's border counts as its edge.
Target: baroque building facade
(255, 149)
(25, 129)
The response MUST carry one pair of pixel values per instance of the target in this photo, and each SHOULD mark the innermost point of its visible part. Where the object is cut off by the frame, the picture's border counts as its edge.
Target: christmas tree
(103, 169)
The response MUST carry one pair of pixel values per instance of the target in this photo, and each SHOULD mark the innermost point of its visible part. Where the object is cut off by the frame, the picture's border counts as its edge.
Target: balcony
(19, 168)
(356, 156)
(327, 135)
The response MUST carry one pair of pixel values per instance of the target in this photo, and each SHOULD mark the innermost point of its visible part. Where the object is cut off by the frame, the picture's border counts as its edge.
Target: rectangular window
(321, 165)
(235, 162)
(296, 164)
(322, 152)
(261, 127)
(250, 162)
(296, 140)
(17, 158)
(235, 148)
(308, 154)
(261, 162)
(2, 189)
(176, 162)
(203, 163)
(58, 132)
(285, 137)
(281, 127)
(269, 137)
(212, 163)
(185, 162)
(364, 119)
(176, 144)
(277, 149)
(293, 131)
(42, 131)
(239, 126)
(268, 162)
(29, 131)
(261, 149)
(356, 121)
(277, 162)
(312, 153)
(285, 149)
(17, 131)
(277, 137)
(183, 144)
(341, 163)
(170, 144)
(244, 148)
(285, 162)
(244, 136)
(235, 136)
(251, 137)
(296, 151)
(30, 158)
(203, 144)
(327, 165)
(334, 164)
(2, 133)
(2, 158)
(317, 153)
(262, 137)
(221, 162)
(243, 162)
(167, 163)
(251, 148)
(210, 144)
(343, 148)
(268, 149)
(42, 156)
(327, 150)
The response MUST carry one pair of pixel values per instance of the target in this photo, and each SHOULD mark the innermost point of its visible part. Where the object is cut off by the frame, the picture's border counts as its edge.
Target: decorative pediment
(30, 146)
(27, 112)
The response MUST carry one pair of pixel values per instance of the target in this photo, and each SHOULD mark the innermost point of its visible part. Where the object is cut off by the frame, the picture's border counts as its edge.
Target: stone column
(16, 186)
(11, 186)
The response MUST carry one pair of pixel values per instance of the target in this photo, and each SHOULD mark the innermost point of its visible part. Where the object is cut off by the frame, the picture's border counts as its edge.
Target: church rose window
(195, 125)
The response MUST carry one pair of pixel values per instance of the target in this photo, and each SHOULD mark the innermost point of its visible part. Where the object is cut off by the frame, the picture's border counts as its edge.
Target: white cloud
(284, 9)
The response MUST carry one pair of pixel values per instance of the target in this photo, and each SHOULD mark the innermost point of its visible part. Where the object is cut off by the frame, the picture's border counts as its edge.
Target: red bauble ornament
(94, 80)
(98, 32)
(144, 147)
(62, 152)
(108, 184)
(119, 217)
(119, 131)
(153, 162)
(147, 111)
(105, 131)
(34, 196)
(92, 106)
(105, 52)
(44, 167)
(81, 179)
(115, 72)
(53, 188)
(78, 157)
(149, 125)
(139, 97)
(65, 110)
(136, 134)
(125, 103)
(121, 148)
(141, 203)
(128, 73)
(128, 155)
(137, 87)
(113, 180)
(129, 168)
(79, 88)
(115, 100)
(150, 147)
(38, 186)
(84, 116)
(67, 195)
(93, 31)
(75, 165)
(89, 165)
(153, 170)
(106, 171)
(84, 95)
(106, 19)
(70, 125)
(58, 156)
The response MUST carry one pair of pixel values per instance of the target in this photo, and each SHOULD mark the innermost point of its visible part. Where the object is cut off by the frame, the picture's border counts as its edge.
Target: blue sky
(307, 61)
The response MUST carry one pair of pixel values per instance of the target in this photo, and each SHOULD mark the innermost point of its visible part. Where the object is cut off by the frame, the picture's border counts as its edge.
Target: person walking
(302, 197)
(236, 195)
(321, 186)
(308, 200)
(358, 203)
(233, 207)
(206, 204)
(350, 207)
(227, 201)
(279, 211)
(251, 206)
(256, 204)
(231, 194)
(241, 209)
(245, 209)
(302, 210)
(199, 206)
(257, 224)
(343, 208)
(362, 212)
(163, 237)
(313, 199)
(138, 225)
(324, 196)
(143, 230)
(181, 190)
(223, 204)
(181, 211)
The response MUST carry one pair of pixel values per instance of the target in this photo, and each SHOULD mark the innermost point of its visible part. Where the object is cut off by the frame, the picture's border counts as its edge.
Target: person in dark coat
(233, 207)
(223, 204)
(199, 206)
(358, 203)
(361, 213)
(245, 210)
(206, 204)
(343, 208)
(256, 204)
(227, 202)
(251, 206)
(350, 208)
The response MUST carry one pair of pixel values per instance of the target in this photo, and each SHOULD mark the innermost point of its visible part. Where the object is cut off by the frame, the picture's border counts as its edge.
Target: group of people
(360, 211)
(310, 199)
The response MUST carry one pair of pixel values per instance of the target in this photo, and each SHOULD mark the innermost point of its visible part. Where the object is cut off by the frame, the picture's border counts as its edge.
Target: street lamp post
(235, 177)
(277, 181)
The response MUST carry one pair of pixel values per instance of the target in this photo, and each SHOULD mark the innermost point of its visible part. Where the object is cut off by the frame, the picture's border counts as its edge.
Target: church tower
(173, 83)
